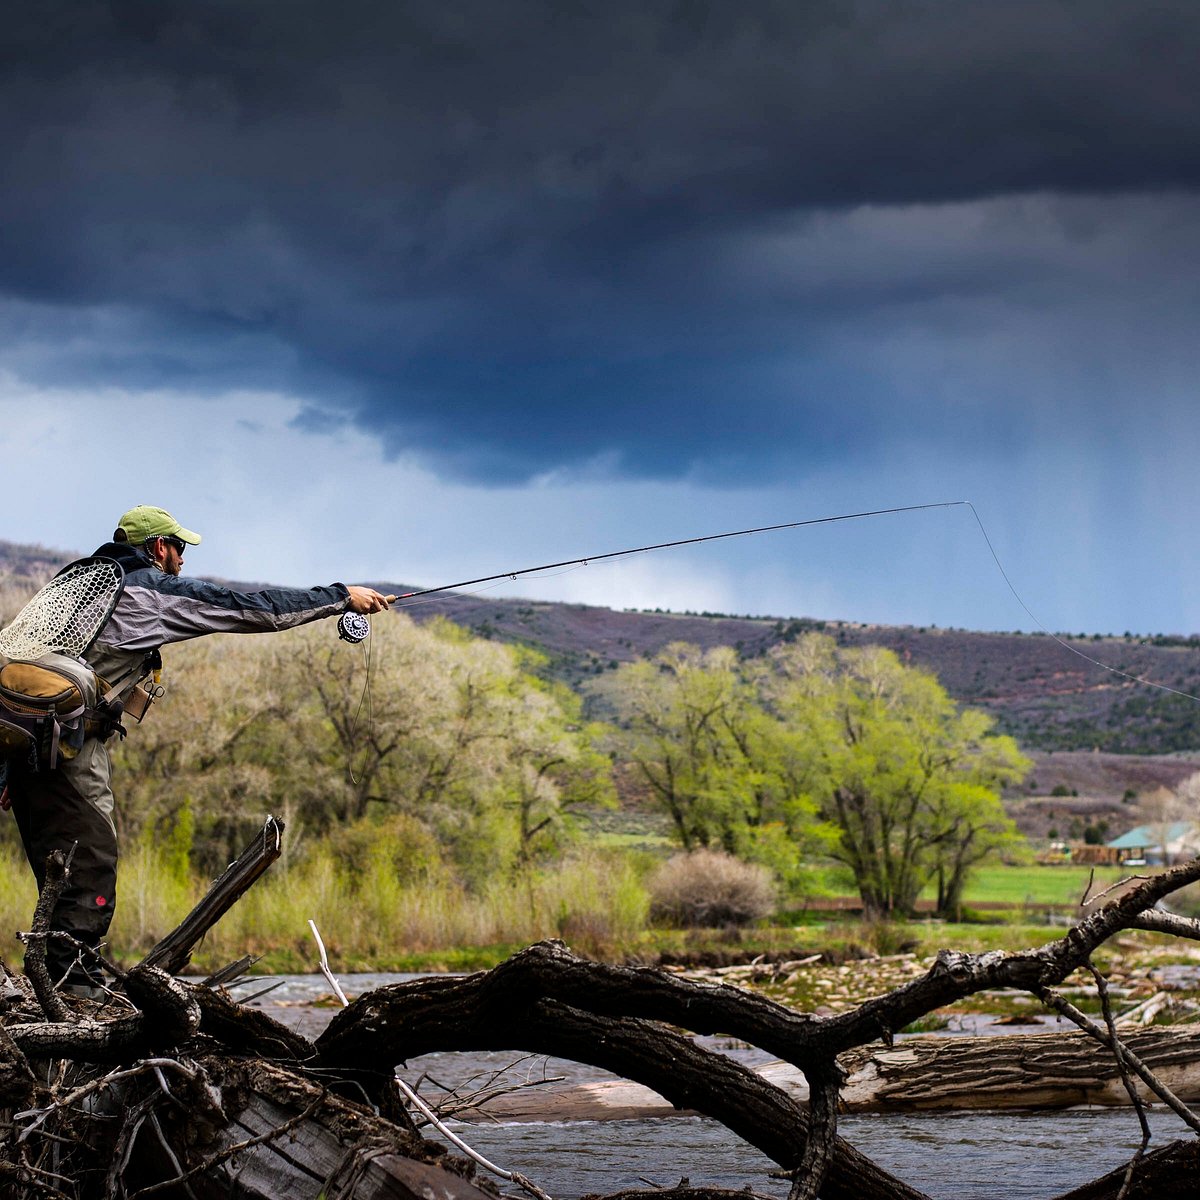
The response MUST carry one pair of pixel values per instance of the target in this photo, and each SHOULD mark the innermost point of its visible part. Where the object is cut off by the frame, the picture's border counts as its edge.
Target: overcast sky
(422, 291)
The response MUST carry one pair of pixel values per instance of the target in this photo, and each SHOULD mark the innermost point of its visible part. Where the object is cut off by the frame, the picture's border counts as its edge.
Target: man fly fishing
(71, 679)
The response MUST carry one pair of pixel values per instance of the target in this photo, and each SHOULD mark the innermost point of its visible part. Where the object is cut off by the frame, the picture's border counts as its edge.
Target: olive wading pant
(55, 810)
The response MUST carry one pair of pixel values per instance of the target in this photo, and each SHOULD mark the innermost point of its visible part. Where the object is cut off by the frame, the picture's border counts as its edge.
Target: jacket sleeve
(156, 609)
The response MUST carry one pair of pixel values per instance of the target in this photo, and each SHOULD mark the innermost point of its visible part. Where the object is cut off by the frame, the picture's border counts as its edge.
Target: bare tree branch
(57, 872)
(1060, 1004)
(1157, 921)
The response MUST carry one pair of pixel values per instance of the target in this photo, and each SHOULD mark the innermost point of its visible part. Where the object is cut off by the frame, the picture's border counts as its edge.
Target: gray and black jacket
(156, 609)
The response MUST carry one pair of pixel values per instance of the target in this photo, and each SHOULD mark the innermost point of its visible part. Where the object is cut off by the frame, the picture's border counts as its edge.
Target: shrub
(407, 845)
(708, 888)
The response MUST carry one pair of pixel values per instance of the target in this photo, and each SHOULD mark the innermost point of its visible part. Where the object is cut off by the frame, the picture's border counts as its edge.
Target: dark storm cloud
(512, 237)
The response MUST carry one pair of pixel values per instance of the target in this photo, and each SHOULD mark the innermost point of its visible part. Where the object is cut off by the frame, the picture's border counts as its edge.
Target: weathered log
(1043, 1070)
(1023, 1071)
(166, 1016)
(174, 951)
(284, 1136)
(1014, 1072)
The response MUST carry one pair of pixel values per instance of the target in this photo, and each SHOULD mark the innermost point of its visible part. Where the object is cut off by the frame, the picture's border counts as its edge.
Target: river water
(976, 1156)
(951, 1156)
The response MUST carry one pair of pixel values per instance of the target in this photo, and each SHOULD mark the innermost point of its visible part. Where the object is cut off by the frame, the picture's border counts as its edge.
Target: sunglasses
(178, 544)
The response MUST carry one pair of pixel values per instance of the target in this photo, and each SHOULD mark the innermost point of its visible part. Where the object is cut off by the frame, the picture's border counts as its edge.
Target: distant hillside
(1046, 696)
(28, 564)
(1043, 694)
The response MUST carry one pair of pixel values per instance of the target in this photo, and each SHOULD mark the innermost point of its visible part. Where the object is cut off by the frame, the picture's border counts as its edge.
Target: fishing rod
(353, 627)
(711, 537)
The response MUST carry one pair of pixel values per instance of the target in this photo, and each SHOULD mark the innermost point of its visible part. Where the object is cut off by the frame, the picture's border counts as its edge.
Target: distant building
(1147, 843)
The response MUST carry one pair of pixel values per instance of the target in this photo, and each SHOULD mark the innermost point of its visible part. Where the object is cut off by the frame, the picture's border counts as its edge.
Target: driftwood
(217, 1100)
(1014, 1072)
(280, 1135)
(173, 1089)
(1043, 1070)
(174, 952)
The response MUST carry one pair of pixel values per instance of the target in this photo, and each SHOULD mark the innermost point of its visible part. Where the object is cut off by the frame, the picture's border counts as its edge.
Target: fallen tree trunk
(1042, 1070)
(1014, 1072)
(393, 1024)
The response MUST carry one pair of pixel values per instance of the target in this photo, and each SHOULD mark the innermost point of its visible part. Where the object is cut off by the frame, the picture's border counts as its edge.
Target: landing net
(68, 613)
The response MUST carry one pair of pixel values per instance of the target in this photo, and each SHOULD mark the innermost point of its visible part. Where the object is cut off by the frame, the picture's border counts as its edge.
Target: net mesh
(67, 613)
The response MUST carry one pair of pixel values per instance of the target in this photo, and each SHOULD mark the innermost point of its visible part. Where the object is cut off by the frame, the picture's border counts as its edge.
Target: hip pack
(45, 710)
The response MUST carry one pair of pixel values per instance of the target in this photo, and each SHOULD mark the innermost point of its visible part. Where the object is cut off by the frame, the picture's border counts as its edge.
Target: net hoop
(67, 614)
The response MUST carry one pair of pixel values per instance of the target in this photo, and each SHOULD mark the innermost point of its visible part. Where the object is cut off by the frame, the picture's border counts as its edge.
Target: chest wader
(71, 804)
(53, 717)
(67, 805)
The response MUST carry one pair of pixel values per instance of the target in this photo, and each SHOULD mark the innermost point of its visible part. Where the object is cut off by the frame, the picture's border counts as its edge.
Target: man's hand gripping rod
(353, 625)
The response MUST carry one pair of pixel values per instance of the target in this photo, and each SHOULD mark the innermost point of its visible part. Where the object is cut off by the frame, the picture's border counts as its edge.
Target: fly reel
(353, 627)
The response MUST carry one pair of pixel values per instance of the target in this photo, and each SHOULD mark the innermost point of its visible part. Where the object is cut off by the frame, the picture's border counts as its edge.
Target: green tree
(202, 745)
(452, 731)
(911, 781)
(713, 756)
(555, 768)
(819, 746)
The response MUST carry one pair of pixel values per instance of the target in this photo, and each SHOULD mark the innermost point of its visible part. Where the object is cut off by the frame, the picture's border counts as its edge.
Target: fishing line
(368, 698)
(1162, 687)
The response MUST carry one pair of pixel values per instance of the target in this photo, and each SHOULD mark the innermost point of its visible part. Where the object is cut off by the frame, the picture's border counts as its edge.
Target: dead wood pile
(172, 1089)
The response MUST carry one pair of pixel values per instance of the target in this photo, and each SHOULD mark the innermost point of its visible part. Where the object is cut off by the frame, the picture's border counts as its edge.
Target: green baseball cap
(145, 522)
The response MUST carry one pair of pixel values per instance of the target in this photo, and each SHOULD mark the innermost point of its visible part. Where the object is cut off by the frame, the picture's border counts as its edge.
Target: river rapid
(951, 1156)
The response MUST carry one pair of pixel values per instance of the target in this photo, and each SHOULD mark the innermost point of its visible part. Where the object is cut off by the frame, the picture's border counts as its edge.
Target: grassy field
(1035, 885)
(1024, 886)
(1018, 886)
(840, 937)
